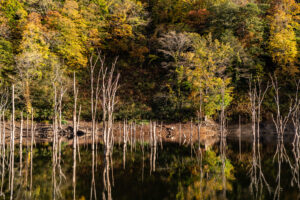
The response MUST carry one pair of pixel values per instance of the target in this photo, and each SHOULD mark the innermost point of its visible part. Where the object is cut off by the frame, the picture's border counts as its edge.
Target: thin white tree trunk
(12, 143)
(21, 143)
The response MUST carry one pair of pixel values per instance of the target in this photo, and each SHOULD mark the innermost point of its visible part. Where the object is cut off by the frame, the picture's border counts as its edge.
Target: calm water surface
(228, 170)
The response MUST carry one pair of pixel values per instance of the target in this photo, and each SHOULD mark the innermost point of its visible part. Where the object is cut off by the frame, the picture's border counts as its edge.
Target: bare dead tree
(74, 135)
(260, 96)
(279, 121)
(134, 133)
(3, 155)
(95, 92)
(77, 140)
(200, 115)
(150, 133)
(256, 96)
(21, 143)
(63, 90)
(54, 125)
(3, 104)
(153, 148)
(222, 114)
(31, 150)
(10, 155)
(12, 140)
(109, 88)
(252, 96)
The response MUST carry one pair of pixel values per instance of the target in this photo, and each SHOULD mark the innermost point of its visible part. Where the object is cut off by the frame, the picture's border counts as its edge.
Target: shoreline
(181, 133)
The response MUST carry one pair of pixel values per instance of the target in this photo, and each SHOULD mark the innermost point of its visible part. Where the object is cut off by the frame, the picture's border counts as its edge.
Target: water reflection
(257, 177)
(93, 194)
(223, 159)
(106, 193)
(225, 171)
(280, 157)
(295, 166)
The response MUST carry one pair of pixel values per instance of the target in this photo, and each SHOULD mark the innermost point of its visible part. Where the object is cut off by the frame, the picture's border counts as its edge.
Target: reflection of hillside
(177, 175)
(205, 181)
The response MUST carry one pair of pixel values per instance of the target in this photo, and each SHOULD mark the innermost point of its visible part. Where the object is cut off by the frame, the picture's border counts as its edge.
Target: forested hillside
(176, 58)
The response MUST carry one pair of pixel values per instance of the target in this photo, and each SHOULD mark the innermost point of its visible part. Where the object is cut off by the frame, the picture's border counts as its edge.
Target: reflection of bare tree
(93, 184)
(125, 135)
(296, 143)
(281, 156)
(200, 160)
(3, 155)
(31, 149)
(223, 159)
(295, 166)
(54, 180)
(296, 122)
(257, 177)
(143, 151)
(3, 103)
(74, 175)
(62, 176)
(106, 194)
(74, 136)
(153, 146)
(57, 171)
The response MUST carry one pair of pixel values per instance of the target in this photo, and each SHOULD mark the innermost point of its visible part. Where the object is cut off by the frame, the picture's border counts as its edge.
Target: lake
(227, 170)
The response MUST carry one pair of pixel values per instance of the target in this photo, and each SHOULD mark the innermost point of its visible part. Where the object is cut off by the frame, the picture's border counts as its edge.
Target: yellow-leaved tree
(207, 73)
(33, 54)
(282, 42)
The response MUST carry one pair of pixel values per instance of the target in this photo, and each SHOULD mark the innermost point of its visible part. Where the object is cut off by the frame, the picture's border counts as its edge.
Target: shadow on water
(229, 169)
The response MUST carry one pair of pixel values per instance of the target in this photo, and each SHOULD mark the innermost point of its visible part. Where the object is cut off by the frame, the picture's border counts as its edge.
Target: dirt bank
(182, 133)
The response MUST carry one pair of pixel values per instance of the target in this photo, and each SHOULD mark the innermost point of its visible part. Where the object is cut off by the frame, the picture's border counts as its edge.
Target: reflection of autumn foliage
(205, 180)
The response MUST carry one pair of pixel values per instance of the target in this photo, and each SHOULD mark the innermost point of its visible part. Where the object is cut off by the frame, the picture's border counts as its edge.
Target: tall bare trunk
(74, 136)
(31, 150)
(27, 96)
(12, 143)
(21, 143)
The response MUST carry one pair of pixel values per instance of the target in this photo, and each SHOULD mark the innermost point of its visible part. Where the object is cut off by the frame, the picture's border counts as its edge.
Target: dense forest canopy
(177, 58)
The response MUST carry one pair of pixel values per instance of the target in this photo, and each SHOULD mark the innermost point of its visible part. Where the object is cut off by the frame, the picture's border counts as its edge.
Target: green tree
(6, 50)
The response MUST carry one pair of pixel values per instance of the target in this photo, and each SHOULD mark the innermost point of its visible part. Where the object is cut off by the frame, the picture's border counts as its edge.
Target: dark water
(228, 171)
